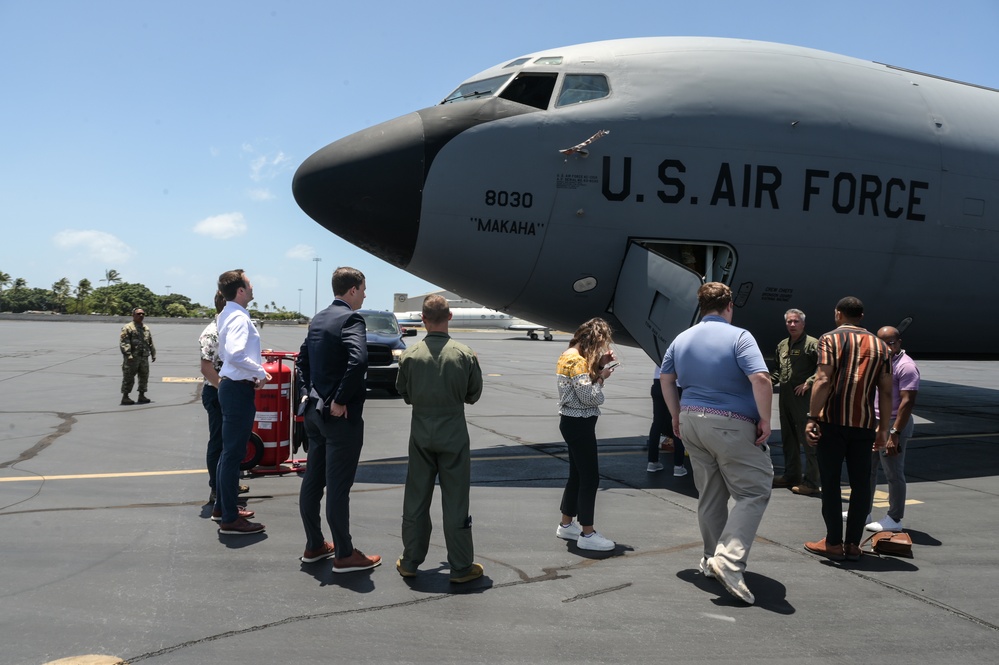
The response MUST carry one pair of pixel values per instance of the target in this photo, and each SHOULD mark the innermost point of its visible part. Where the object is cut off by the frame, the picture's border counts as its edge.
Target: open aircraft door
(655, 299)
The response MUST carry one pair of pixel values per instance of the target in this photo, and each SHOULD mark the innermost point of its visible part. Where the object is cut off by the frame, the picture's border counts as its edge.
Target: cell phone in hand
(612, 364)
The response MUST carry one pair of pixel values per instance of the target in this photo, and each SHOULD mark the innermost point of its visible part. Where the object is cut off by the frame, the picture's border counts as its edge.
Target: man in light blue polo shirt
(724, 419)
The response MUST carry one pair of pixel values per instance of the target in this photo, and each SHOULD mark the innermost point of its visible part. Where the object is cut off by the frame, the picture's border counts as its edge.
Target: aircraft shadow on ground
(622, 463)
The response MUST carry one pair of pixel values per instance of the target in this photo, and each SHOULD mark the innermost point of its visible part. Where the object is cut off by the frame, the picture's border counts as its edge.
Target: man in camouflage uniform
(137, 348)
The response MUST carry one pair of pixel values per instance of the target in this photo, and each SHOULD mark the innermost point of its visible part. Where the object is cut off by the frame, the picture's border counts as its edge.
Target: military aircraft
(612, 178)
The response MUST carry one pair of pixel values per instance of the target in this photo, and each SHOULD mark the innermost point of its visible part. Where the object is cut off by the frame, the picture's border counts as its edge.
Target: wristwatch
(893, 431)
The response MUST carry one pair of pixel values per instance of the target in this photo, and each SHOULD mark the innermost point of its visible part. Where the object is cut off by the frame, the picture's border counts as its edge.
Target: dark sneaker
(243, 512)
(405, 572)
(143, 399)
(126, 400)
(241, 527)
(356, 561)
(243, 489)
(474, 572)
(211, 498)
(324, 552)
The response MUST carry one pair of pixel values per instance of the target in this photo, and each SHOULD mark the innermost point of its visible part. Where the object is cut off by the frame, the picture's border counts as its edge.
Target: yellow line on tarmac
(88, 476)
(182, 472)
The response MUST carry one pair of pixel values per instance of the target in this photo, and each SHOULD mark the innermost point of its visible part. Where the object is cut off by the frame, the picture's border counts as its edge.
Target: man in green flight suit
(137, 348)
(438, 376)
(797, 356)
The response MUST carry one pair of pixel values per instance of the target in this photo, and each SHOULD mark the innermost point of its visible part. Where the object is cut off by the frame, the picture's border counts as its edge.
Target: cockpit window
(531, 89)
(515, 63)
(549, 60)
(578, 88)
(477, 89)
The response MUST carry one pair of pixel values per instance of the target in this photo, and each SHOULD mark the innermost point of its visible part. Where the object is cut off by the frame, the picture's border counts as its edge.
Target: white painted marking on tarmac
(182, 379)
(880, 498)
(719, 617)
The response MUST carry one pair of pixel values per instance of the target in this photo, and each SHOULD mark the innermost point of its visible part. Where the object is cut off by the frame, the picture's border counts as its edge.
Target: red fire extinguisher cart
(269, 450)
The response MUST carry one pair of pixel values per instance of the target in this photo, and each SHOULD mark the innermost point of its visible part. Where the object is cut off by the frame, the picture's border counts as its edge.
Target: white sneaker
(594, 541)
(884, 524)
(732, 582)
(705, 568)
(570, 532)
(847, 512)
(654, 466)
(679, 471)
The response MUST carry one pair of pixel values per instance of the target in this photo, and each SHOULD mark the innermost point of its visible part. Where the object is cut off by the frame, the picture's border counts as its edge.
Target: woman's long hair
(592, 340)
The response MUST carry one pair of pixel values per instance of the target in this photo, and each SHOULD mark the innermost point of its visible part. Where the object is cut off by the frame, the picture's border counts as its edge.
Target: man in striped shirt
(853, 364)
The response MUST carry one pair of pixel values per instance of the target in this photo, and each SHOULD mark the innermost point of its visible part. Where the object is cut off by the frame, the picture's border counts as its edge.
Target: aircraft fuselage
(796, 176)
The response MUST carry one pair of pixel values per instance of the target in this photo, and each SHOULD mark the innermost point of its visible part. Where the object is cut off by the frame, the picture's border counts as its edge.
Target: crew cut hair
(850, 307)
(435, 309)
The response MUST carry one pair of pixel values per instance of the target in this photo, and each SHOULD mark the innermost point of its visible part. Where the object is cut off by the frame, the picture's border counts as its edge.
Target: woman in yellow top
(581, 372)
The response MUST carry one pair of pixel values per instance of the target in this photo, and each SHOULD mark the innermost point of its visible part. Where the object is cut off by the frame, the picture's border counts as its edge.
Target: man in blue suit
(332, 363)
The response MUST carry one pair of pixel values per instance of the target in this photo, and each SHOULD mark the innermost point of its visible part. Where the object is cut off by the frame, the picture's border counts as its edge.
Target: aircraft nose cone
(367, 188)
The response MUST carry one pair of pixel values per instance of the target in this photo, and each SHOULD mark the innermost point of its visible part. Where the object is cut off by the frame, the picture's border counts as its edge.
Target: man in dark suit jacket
(332, 363)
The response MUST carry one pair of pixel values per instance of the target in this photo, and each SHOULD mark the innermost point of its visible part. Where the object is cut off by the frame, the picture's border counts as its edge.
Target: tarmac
(108, 553)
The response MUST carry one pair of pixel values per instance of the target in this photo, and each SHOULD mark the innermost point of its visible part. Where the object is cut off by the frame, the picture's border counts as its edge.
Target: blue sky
(160, 139)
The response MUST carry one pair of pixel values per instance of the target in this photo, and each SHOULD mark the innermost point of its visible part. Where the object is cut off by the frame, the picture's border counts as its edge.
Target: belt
(718, 412)
(249, 381)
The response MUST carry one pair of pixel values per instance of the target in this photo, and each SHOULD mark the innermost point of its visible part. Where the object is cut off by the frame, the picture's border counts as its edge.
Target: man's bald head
(890, 336)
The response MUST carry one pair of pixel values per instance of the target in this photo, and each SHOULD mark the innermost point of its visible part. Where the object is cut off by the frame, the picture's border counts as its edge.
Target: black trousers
(852, 445)
(580, 493)
(334, 450)
(662, 423)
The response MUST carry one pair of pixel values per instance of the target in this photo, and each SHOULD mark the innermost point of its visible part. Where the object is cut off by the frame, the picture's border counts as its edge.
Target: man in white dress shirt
(241, 375)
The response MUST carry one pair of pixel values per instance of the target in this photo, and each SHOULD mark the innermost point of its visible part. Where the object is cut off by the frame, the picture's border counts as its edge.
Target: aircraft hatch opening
(656, 294)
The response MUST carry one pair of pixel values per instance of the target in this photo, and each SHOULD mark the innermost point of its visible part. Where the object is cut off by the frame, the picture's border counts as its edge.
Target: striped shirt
(578, 396)
(858, 359)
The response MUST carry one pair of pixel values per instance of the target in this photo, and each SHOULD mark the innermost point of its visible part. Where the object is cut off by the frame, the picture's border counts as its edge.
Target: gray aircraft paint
(813, 175)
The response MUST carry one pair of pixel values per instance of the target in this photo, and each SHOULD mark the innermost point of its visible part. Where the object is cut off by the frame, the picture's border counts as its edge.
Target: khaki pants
(726, 465)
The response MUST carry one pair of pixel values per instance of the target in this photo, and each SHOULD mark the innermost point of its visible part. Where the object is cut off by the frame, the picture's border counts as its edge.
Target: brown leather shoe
(805, 490)
(241, 527)
(324, 552)
(782, 481)
(243, 512)
(832, 552)
(356, 561)
(852, 552)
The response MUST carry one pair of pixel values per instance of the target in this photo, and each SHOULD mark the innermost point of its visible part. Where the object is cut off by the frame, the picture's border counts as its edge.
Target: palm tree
(111, 276)
(4, 280)
(20, 283)
(83, 289)
(60, 293)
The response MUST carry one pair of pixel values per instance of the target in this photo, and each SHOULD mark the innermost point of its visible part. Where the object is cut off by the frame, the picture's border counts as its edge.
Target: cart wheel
(254, 452)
